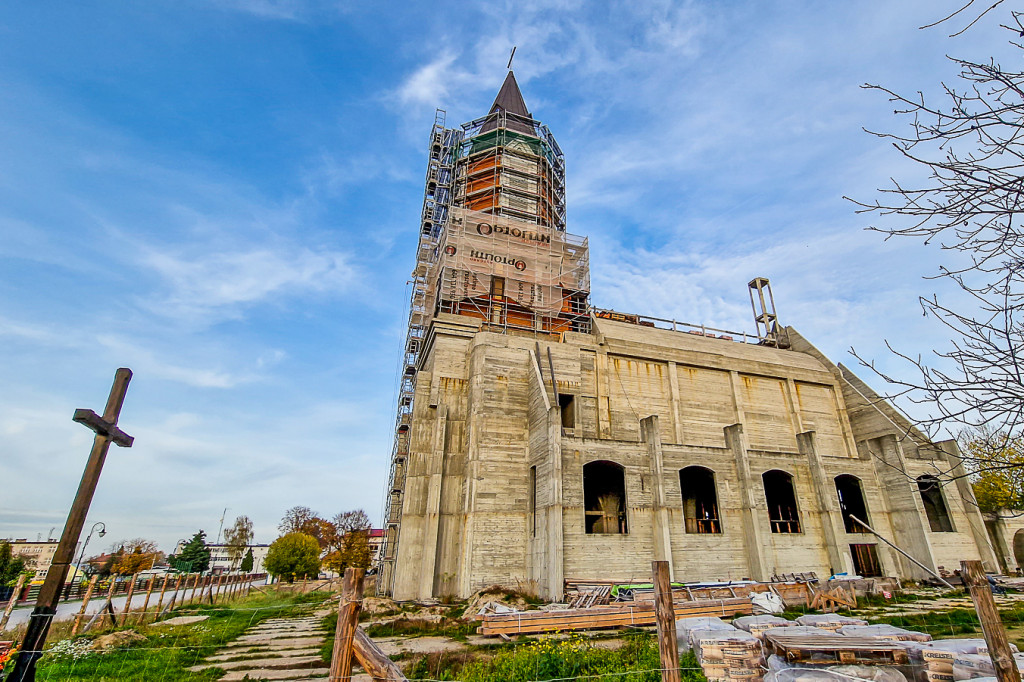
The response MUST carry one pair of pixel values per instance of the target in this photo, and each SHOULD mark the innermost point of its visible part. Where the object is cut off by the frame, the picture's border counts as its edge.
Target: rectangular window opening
(865, 561)
(567, 406)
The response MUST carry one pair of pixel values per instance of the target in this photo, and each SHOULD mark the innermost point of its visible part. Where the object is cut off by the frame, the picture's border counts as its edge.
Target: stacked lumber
(598, 617)
(790, 593)
(830, 649)
(592, 595)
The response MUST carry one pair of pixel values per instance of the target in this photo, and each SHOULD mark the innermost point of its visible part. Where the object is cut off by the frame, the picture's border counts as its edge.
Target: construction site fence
(77, 590)
(186, 651)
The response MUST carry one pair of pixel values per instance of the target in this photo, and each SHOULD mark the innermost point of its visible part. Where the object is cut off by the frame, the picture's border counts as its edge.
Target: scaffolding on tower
(492, 246)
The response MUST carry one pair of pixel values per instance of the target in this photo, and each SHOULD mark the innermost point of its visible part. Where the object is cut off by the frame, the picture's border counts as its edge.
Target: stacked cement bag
(940, 656)
(758, 625)
(728, 656)
(884, 632)
(828, 621)
(974, 666)
(684, 626)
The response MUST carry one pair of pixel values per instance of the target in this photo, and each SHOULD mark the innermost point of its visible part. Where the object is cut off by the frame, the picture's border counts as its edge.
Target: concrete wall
(494, 491)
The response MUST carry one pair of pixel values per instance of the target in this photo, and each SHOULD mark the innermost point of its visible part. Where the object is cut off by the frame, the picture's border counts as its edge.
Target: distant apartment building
(221, 560)
(38, 555)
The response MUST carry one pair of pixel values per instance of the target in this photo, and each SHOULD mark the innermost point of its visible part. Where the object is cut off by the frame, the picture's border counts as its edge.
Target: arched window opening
(700, 500)
(851, 503)
(781, 498)
(934, 504)
(604, 498)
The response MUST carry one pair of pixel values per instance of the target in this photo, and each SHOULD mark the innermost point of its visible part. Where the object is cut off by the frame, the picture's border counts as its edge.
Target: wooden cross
(107, 432)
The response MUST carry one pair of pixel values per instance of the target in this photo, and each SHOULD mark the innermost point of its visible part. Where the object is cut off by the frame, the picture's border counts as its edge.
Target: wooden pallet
(832, 600)
(829, 649)
(598, 617)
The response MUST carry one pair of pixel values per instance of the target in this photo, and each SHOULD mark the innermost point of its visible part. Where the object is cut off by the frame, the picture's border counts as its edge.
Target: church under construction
(540, 438)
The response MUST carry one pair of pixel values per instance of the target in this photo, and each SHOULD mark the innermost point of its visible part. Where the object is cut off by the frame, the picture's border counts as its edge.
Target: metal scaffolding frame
(437, 200)
(525, 274)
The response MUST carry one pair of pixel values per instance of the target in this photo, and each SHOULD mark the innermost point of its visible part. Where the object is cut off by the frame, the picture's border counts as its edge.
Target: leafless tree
(971, 145)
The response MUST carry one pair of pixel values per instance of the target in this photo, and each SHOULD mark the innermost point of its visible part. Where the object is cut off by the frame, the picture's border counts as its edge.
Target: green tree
(137, 554)
(247, 562)
(10, 566)
(293, 555)
(196, 553)
(352, 548)
(995, 462)
(237, 538)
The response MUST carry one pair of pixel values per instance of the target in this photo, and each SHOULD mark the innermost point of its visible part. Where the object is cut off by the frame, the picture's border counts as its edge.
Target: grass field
(167, 652)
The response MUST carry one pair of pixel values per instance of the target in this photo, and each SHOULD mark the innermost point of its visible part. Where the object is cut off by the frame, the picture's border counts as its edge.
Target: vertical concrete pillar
(831, 523)
(651, 436)
(903, 504)
(970, 505)
(753, 532)
(432, 514)
(996, 528)
(554, 552)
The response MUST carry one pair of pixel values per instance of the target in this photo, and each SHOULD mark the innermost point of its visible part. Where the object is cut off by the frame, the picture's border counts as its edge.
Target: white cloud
(225, 283)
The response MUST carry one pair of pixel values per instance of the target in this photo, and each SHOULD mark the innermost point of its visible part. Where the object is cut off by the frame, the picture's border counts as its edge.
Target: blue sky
(224, 196)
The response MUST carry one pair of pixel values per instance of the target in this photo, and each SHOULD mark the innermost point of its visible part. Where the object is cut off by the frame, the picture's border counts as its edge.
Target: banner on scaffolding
(539, 265)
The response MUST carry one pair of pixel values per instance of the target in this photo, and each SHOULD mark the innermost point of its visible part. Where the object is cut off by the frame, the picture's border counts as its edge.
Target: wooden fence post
(973, 574)
(149, 593)
(665, 615)
(15, 595)
(128, 599)
(348, 620)
(85, 602)
(163, 589)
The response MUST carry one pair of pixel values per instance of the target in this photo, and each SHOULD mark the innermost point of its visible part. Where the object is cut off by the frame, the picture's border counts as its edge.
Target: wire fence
(266, 632)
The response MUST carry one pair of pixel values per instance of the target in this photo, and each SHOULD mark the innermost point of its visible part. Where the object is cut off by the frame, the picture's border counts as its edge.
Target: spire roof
(510, 100)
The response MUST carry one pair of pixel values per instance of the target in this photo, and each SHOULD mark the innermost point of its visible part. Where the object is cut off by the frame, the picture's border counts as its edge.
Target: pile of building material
(888, 632)
(759, 624)
(725, 653)
(947, 660)
(597, 617)
(828, 621)
(832, 648)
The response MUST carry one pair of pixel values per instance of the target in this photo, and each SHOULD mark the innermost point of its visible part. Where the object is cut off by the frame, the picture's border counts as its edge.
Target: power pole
(107, 432)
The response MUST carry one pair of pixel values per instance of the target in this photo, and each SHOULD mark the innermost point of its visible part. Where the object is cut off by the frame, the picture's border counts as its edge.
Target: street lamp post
(103, 531)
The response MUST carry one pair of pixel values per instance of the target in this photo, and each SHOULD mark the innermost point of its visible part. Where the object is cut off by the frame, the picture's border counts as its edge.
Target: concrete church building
(539, 438)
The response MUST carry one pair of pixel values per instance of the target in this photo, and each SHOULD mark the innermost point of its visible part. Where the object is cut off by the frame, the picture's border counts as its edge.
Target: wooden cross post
(49, 595)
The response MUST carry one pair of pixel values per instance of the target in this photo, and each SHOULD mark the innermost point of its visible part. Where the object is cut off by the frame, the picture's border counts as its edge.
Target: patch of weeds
(548, 659)
(440, 665)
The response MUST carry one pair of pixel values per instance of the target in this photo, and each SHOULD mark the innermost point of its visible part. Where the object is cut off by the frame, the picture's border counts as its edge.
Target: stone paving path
(276, 649)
